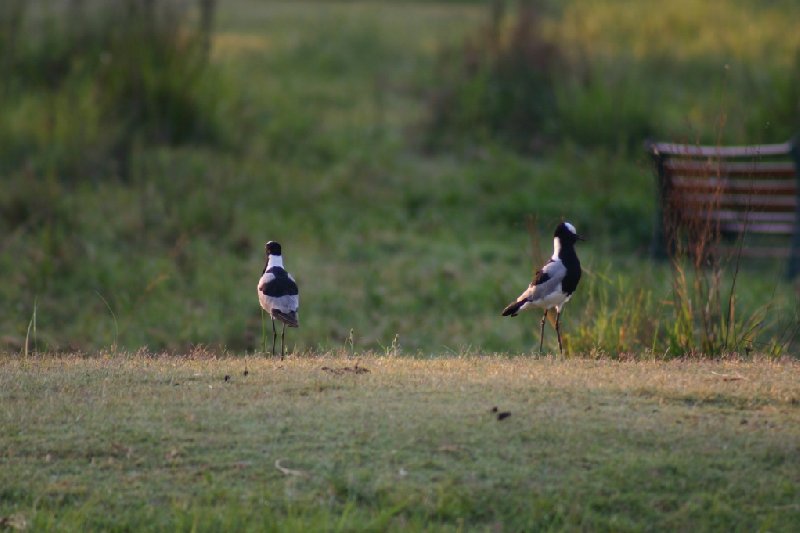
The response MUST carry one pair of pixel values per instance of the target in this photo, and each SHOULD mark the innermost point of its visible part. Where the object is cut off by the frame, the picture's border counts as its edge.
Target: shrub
(514, 84)
(501, 84)
(84, 83)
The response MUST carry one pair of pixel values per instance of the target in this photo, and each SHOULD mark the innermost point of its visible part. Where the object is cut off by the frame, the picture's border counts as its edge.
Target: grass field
(126, 301)
(376, 443)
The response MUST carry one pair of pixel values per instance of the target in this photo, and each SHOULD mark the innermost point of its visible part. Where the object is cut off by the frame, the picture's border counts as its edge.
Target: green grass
(393, 247)
(154, 442)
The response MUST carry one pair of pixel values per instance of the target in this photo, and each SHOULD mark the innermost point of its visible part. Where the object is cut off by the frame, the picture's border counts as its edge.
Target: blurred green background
(413, 159)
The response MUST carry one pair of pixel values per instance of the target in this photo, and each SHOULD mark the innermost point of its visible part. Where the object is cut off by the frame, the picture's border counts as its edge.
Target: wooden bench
(747, 192)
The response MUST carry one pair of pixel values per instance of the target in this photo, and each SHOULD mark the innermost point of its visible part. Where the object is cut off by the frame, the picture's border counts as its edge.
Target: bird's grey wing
(546, 281)
(288, 303)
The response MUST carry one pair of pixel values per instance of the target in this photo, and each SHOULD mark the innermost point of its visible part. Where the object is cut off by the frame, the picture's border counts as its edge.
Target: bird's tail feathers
(513, 308)
(290, 319)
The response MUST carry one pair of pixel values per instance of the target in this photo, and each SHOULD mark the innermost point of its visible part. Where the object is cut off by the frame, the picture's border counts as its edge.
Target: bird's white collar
(275, 261)
(556, 249)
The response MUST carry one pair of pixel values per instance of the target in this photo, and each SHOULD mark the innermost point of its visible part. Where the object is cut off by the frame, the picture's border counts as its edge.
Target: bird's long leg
(558, 331)
(541, 332)
(274, 337)
(283, 334)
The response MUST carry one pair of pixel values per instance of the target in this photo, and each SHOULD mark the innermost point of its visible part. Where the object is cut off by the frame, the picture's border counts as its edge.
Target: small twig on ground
(289, 471)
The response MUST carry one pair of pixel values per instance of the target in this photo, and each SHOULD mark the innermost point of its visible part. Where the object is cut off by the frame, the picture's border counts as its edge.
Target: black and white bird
(278, 294)
(555, 282)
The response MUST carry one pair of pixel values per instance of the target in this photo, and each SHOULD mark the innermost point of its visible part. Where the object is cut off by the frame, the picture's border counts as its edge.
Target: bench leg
(794, 257)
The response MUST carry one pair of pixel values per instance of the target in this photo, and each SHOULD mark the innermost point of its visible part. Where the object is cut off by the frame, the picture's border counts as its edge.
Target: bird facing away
(555, 282)
(278, 294)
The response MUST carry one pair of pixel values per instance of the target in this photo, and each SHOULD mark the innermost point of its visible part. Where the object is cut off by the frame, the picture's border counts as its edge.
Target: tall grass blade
(32, 325)
(114, 317)
(263, 331)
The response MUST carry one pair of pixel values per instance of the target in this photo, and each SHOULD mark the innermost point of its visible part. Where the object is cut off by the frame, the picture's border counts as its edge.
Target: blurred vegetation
(537, 74)
(502, 83)
(83, 82)
(142, 175)
(516, 83)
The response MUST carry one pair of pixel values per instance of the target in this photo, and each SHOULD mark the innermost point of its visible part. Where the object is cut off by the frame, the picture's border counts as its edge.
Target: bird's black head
(566, 233)
(273, 248)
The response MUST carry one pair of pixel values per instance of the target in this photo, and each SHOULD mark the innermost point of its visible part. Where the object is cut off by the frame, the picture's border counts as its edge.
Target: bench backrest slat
(754, 169)
(689, 150)
(785, 187)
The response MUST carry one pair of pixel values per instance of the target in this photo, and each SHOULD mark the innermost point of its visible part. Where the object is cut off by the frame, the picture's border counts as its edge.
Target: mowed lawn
(340, 443)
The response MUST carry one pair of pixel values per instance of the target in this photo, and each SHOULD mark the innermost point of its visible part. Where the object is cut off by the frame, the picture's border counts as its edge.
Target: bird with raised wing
(554, 283)
(278, 293)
